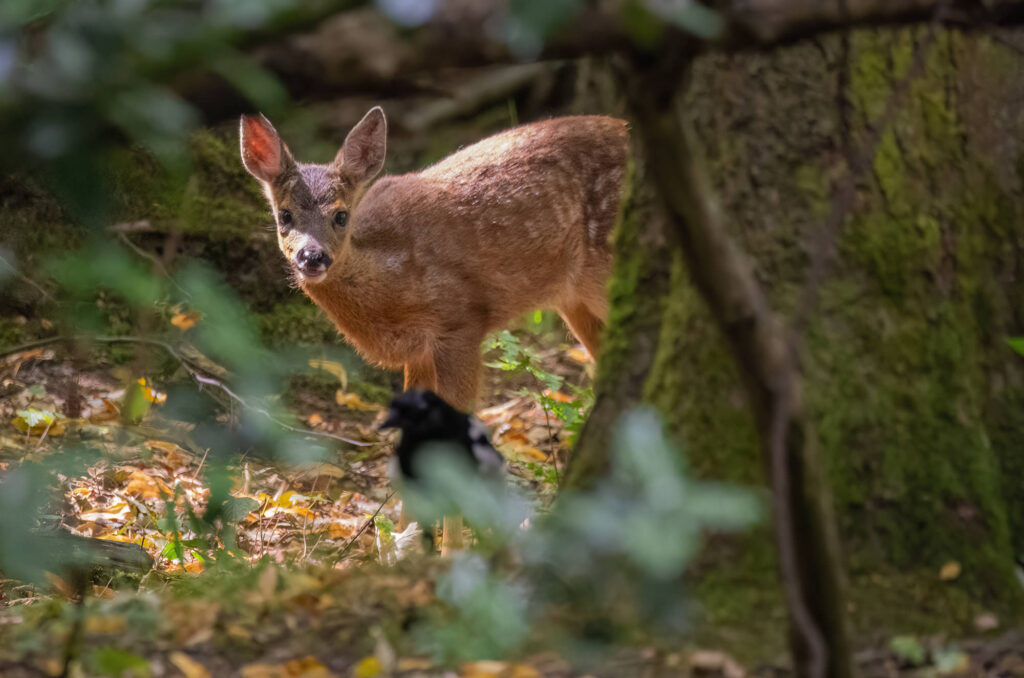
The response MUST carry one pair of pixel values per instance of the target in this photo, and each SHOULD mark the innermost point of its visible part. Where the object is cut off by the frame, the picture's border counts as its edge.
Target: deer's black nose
(312, 258)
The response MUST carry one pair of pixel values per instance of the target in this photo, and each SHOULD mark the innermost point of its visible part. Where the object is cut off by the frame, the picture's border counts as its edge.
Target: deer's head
(311, 203)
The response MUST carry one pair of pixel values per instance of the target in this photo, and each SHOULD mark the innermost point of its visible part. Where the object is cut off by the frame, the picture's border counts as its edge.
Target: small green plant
(520, 359)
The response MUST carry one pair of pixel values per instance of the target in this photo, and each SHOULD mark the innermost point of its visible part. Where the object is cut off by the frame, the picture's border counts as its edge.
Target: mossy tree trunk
(916, 400)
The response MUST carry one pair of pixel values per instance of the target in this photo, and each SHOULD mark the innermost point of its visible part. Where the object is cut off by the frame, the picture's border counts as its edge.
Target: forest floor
(306, 594)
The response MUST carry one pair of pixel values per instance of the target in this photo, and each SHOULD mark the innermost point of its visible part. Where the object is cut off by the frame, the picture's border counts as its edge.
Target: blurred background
(164, 386)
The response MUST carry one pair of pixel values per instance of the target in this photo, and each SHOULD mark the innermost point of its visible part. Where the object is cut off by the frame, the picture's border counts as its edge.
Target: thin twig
(193, 371)
(362, 529)
(14, 269)
(155, 260)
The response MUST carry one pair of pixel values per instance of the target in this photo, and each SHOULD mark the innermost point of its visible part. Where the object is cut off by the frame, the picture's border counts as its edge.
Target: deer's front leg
(420, 373)
(457, 364)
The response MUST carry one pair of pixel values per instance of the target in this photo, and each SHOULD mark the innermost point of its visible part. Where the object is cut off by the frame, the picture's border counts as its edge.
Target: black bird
(427, 421)
(423, 417)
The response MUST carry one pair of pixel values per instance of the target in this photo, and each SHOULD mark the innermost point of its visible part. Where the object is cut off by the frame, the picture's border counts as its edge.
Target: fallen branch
(474, 95)
(367, 524)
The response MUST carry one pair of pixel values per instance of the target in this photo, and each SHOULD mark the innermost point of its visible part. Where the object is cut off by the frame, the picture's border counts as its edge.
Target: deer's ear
(263, 154)
(361, 157)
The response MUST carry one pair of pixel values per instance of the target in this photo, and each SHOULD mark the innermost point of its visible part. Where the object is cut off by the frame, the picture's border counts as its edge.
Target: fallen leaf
(187, 320)
(354, 402)
(338, 530)
(151, 394)
(188, 666)
(580, 354)
(335, 368)
(711, 661)
(314, 420)
(950, 571)
(557, 396)
(491, 669)
(144, 486)
(37, 422)
(367, 667)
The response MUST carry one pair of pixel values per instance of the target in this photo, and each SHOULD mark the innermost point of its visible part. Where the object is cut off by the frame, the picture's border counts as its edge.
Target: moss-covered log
(915, 396)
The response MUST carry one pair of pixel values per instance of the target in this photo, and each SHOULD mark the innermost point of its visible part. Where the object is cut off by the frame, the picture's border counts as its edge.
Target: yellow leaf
(579, 354)
(489, 669)
(354, 402)
(314, 420)
(335, 368)
(518, 445)
(151, 394)
(187, 320)
(340, 531)
(106, 624)
(188, 666)
(950, 571)
(368, 667)
(36, 422)
(307, 667)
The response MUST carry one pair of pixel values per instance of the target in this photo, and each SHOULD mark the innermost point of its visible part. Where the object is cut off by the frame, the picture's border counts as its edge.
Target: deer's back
(518, 217)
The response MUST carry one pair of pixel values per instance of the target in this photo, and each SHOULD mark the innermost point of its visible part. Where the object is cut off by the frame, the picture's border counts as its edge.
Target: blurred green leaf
(909, 650)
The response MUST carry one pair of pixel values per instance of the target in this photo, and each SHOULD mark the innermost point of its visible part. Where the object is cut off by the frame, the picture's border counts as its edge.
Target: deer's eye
(340, 218)
(284, 218)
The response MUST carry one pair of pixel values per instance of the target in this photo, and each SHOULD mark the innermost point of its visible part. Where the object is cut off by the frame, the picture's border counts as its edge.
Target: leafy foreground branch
(602, 573)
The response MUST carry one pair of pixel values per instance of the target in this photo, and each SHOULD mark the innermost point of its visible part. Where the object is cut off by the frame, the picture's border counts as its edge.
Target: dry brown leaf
(187, 320)
(311, 471)
(116, 511)
(354, 402)
(144, 486)
(558, 396)
(718, 662)
(172, 455)
(338, 530)
(188, 666)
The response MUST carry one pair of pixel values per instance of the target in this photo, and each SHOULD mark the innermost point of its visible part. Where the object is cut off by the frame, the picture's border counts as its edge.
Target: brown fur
(431, 261)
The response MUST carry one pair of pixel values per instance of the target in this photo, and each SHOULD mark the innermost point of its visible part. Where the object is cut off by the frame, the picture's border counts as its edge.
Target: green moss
(917, 402)
(296, 323)
(220, 199)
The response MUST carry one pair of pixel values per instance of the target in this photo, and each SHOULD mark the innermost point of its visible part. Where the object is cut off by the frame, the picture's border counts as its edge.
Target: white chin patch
(313, 278)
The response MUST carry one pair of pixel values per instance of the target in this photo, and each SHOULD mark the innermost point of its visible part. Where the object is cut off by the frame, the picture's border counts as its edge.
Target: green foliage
(909, 650)
(610, 558)
(520, 359)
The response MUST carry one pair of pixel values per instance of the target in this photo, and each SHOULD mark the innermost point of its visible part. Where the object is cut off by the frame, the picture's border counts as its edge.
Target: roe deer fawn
(417, 268)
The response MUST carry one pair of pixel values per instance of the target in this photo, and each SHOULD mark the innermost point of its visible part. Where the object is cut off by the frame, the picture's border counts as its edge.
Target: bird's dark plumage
(424, 418)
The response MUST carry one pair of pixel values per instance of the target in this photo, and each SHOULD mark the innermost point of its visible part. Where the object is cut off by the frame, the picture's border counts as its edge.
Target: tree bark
(760, 344)
(916, 402)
